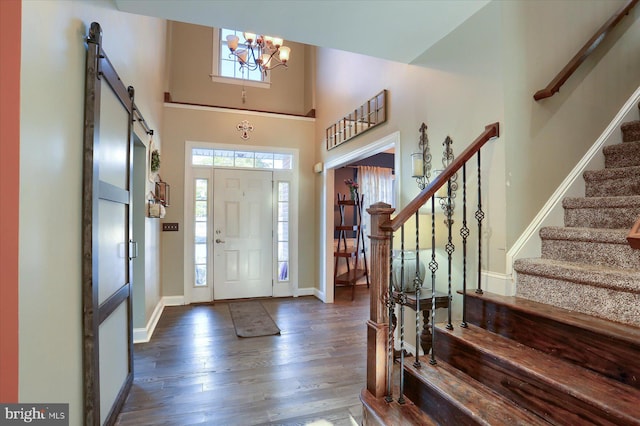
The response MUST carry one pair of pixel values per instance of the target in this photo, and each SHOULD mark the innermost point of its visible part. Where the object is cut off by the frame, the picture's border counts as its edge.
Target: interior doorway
(332, 179)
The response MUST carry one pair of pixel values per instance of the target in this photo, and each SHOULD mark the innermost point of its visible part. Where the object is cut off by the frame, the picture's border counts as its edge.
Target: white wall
(52, 93)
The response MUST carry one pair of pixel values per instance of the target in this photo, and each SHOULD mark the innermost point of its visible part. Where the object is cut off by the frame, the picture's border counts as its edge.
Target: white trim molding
(173, 300)
(392, 140)
(238, 111)
(307, 291)
(498, 283)
(143, 335)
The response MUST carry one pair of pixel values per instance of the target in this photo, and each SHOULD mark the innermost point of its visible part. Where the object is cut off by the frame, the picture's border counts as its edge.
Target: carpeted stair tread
(557, 390)
(475, 400)
(627, 280)
(613, 173)
(596, 246)
(622, 155)
(602, 235)
(620, 181)
(595, 202)
(631, 131)
(601, 212)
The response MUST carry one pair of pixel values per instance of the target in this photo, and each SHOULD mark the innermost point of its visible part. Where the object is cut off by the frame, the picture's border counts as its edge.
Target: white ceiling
(397, 30)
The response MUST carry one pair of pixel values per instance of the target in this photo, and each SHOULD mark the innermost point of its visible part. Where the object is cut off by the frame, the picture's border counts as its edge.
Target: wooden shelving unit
(345, 256)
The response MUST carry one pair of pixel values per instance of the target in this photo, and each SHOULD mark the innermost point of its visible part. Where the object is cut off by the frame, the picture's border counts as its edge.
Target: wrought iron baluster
(479, 217)
(450, 248)
(390, 306)
(402, 300)
(418, 287)
(433, 267)
(464, 233)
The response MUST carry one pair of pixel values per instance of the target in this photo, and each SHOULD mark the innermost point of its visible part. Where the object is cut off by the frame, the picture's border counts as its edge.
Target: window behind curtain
(376, 183)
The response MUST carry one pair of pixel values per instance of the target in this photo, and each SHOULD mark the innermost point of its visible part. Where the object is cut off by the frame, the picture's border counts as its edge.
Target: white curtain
(376, 184)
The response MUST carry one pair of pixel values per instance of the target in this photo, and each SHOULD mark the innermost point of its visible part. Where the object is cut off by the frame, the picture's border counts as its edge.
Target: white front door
(242, 234)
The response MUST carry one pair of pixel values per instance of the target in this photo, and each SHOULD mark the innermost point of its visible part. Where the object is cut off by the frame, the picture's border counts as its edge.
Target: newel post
(378, 323)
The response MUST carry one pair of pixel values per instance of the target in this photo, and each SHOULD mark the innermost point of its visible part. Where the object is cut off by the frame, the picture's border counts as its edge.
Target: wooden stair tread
(608, 348)
(378, 411)
(609, 329)
(546, 377)
(473, 399)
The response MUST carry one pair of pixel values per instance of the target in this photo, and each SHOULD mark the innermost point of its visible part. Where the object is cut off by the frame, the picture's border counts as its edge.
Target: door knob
(218, 240)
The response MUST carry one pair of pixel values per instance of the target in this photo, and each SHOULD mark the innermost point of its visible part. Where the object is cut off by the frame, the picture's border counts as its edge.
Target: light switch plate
(170, 226)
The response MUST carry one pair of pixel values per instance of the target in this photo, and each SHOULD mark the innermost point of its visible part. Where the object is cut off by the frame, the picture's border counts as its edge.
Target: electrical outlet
(169, 226)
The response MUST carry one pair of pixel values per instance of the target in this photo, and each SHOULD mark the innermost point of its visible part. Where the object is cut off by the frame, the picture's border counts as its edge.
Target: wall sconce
(421, 172)
(421, 161)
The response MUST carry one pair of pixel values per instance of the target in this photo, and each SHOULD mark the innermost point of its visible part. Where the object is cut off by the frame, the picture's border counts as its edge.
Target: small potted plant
(353, 188)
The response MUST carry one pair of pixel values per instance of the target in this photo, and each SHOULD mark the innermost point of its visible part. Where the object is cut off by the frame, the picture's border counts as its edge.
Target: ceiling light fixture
(259, 52)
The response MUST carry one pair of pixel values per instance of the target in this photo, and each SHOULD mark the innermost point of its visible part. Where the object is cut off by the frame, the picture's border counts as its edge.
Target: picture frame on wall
(371, 113)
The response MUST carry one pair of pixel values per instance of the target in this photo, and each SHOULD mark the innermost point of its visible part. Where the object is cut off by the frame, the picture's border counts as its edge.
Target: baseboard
(143, 335)
(502, 284)
(173, 300)
(320, 295)
(308, 291)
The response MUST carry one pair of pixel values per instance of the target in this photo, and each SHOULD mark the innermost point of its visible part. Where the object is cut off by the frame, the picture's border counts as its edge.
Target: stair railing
(566, 72)
(382, 322)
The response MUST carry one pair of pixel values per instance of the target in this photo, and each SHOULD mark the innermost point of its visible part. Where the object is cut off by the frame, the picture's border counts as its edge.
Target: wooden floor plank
(196, 371)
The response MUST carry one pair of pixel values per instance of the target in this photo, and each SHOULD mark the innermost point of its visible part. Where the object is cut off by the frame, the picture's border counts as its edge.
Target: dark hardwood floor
(195, 370)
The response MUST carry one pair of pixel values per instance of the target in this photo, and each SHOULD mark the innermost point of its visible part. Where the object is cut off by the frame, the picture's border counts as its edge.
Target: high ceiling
(397, 30)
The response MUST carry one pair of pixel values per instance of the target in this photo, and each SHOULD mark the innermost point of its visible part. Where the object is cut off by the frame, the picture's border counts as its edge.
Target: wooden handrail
(491, 131)
(634, 236)
(554, 86)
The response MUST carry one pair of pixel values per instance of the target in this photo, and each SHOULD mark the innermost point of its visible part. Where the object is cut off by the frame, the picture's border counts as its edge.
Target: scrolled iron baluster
(390, 306)
(433, 267)
(464, 233)
(450, 248)
(403, 302)
(418, 286)
(479, 217)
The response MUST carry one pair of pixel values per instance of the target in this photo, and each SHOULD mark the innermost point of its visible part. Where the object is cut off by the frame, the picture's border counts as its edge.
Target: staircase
(588, 266)
(566, 350)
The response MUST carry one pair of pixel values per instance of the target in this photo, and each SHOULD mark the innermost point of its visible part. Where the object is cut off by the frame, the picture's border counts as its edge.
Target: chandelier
(259, 52)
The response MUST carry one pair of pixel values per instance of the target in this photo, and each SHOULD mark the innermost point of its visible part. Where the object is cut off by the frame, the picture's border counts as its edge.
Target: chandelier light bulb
(249, 37)
(242, 56)
(277, 42)
(284, 54)
(265, 61)
(232, 42)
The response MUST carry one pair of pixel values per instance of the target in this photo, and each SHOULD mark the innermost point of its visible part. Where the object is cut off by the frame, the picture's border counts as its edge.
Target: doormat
(250, 319)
